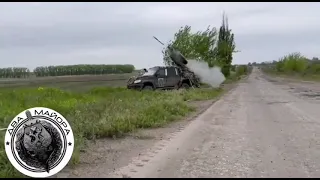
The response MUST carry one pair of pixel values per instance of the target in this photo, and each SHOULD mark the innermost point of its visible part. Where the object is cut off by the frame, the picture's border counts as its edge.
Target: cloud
(34, 34)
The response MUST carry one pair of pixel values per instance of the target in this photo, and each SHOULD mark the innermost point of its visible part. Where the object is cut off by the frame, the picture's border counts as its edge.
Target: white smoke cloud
(211, 76)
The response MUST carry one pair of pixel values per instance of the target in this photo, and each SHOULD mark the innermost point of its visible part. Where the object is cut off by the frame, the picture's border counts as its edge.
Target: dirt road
(263, 128)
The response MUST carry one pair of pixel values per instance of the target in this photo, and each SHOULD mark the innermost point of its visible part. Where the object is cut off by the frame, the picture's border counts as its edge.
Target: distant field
(77, 83)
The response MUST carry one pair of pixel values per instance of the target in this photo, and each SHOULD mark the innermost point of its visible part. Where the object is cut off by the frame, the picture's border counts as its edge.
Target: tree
(197, 46)
(225, 47)
(205, 46)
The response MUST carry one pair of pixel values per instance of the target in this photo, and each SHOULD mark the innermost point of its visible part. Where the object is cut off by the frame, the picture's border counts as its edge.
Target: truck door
(173, 77)
(161, 78)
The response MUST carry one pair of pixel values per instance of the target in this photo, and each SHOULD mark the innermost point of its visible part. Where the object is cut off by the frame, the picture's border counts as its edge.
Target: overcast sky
(36, 34)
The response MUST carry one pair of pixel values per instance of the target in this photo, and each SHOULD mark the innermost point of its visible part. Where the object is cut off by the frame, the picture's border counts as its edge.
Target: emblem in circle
(39, 142)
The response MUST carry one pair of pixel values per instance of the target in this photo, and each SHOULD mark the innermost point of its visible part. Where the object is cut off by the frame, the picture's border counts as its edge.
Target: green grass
(100, 112)
(95, 110)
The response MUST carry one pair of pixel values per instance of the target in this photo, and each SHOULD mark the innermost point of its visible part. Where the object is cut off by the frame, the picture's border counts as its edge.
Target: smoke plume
(211, 76)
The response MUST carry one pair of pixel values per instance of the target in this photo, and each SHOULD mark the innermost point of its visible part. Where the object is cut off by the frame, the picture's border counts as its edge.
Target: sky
(38, 34)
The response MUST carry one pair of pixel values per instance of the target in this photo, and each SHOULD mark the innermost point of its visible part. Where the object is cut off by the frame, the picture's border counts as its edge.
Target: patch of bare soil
(105, 155)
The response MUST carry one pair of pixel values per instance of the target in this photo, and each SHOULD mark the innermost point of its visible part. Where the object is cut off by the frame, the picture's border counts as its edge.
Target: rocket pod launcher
(168, 77)
(180, 61)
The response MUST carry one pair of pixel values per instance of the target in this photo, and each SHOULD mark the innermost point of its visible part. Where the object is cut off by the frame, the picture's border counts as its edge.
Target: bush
(296, 65)
(292, 63)
(242, 70)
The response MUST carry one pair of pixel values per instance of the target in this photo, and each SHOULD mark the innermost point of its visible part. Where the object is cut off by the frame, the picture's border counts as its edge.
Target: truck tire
(185, 86)
(147, 87)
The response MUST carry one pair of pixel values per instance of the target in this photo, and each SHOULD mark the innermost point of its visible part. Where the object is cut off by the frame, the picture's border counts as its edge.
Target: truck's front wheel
(185, 86)
(147, 87)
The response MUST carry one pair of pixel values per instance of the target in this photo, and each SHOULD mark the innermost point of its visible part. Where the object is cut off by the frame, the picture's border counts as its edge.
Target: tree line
(81, 69)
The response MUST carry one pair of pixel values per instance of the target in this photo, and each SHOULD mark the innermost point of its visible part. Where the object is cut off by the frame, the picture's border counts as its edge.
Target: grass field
(74, 83)
(95, 106)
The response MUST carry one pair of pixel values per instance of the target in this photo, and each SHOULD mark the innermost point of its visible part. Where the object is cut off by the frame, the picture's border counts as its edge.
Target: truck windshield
(150, 72)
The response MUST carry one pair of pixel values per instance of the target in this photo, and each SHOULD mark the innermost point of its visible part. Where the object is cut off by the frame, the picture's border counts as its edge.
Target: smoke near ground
(211, 76)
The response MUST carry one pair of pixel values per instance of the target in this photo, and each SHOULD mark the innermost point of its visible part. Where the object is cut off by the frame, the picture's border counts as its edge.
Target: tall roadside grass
(99, 113)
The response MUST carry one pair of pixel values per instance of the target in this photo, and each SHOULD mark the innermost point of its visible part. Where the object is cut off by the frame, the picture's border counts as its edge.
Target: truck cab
(159, 78)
